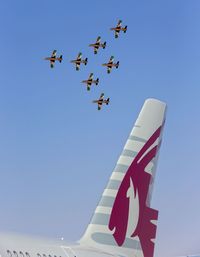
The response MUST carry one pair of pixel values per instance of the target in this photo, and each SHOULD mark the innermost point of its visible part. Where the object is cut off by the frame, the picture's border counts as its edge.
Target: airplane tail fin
(124, 224)
(61, 58)
(117, 65)
(86, 61)
(125, 29)
(104, 45)
(107, 101)
(97, 81)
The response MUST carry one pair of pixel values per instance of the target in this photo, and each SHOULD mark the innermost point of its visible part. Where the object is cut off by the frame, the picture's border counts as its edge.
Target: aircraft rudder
(123, 222)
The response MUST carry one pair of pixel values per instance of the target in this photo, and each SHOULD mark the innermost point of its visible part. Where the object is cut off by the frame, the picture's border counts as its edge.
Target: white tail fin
(124, 223)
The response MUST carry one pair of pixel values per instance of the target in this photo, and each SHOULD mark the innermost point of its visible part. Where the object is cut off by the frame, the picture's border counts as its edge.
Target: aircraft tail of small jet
(124, 224)
(117, 65)
(61, 57)
(97, 81)
(104, 45)
(86, 61)
(125, 29)
(107, 100)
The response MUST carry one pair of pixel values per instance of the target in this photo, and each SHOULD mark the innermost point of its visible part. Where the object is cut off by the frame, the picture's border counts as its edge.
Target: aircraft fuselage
(12, 245)
(53, 59)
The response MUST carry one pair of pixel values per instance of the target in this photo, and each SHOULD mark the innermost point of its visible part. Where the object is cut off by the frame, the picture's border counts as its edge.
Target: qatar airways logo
(130, 214)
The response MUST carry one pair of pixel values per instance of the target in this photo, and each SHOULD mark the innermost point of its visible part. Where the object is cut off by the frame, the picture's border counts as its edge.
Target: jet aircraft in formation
(98, 44)
(119, 28)
(79, 60)
(53, 58)
(101, 101)
(91, 81)
(111, 64)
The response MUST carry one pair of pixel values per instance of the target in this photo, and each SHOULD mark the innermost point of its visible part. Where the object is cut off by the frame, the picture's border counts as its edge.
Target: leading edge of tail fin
(124, 223)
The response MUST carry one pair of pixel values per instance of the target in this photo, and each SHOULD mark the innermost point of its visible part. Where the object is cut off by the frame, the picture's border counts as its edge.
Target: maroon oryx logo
(138, 180)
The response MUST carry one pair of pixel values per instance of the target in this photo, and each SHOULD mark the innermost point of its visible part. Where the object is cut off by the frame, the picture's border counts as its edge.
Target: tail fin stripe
(107, 201)
(125, 160)
(121, 168)
(117, 176)
(129, 153)
(113, 184)
(100, 219)
(133, 145)
(105, 210)
(108, 239)
(110, 192)
(137, 139)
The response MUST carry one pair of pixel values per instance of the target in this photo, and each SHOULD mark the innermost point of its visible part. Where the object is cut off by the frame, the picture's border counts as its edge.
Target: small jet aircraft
(119, 28)
(111, 64)
(79, 60)
(90, 81)
(101, 101)
(53, 58)
(98, 44)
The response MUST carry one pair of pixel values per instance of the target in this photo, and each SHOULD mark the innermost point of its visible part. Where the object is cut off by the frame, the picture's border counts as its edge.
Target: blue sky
(57, 152)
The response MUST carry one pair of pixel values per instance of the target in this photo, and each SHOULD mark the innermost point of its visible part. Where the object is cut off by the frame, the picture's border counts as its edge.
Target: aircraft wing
(54, 54)
(98, 40)
(99, 106)
(52, 64)
(91, 76)
(109, 69)
(101, 96)
(116, 33)
(119, 23)
(111, 59)
(96, 49)
(77, 66)
(79, 56)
